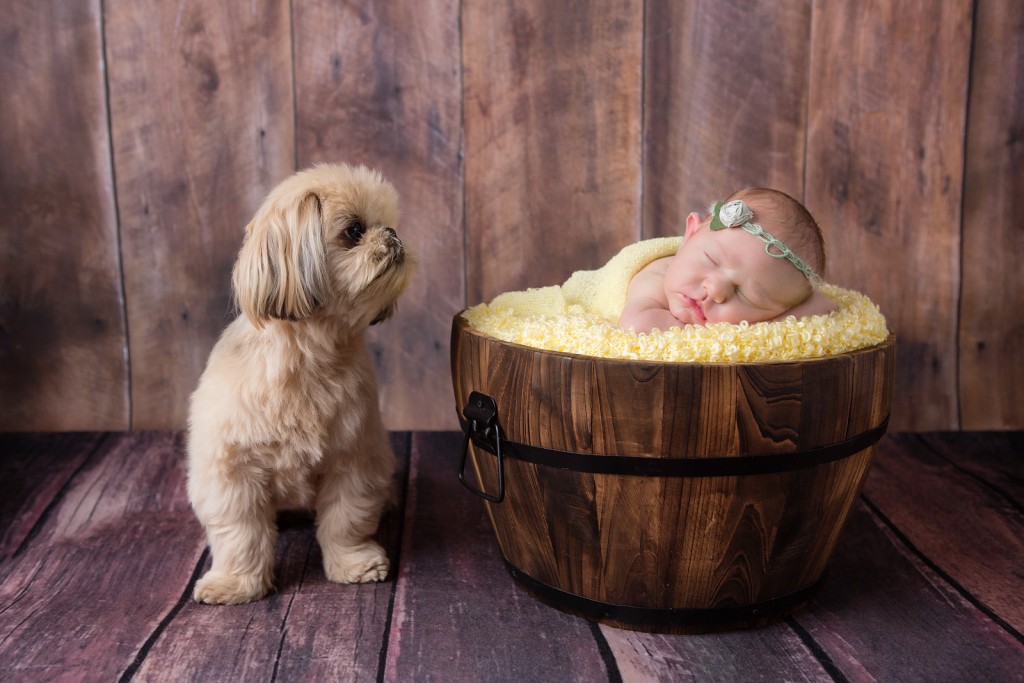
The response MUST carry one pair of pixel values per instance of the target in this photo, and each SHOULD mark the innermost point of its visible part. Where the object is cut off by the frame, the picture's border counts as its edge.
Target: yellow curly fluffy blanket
(581, 317)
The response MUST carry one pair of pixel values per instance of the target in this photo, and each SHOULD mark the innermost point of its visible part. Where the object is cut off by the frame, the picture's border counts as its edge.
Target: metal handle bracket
(481, 414)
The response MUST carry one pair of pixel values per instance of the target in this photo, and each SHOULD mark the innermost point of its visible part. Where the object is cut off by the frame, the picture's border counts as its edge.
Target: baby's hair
(790, 221)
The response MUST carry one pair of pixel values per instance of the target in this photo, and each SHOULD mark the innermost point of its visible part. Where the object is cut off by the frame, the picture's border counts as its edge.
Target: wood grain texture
(672, 542)
(888, 85)
(34, 470)
(992, 288)
(596, 405)
(308, 629)
(100, 588)
(725, 100)
(885, 615)
(458, 615)
(62, 331)
(105, 567)
(380, 84)
(946, 521)
(993, 458)
(201, 111)
(773, 653)
(528, 140)
(552, 111)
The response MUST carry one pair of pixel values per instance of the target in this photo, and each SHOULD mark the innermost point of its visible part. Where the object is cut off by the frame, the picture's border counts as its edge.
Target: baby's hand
(646, 303)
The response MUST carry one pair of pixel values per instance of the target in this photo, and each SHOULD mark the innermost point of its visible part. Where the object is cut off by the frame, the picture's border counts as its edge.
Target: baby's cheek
(807, 294)
(676, 305)
(720, 314)
(674, 297)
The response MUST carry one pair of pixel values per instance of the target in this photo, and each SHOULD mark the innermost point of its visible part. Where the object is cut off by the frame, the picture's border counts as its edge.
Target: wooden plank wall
(406, 121)
(890, 157)
(991, 328)
(62, 326)
(201, 114)
(528, 140)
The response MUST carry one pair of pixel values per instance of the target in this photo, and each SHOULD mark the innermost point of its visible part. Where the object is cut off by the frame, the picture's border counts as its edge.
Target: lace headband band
(737, 214)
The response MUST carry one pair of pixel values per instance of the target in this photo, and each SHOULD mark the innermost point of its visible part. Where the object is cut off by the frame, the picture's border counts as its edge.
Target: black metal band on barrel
(654, 618)
(719, 466)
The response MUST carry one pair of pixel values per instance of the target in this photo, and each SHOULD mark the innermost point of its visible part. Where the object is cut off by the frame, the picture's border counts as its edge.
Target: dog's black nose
(394, 244)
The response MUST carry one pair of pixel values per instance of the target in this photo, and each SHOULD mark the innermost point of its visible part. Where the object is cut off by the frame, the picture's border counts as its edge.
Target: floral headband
(737, 214)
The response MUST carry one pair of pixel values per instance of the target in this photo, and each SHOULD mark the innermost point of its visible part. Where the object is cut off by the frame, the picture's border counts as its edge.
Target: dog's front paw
(359, 564)
(221, 588)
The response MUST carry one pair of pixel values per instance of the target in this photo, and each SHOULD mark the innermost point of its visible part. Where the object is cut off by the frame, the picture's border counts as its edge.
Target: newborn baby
(756, 257)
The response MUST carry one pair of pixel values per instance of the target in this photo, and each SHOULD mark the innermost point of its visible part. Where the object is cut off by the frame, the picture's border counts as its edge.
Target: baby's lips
(695, 305)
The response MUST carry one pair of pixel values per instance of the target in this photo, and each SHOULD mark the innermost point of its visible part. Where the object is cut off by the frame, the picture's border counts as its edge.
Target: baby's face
(726, 276)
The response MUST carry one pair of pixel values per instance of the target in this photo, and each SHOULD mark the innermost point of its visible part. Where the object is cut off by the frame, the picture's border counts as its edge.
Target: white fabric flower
(735, 213)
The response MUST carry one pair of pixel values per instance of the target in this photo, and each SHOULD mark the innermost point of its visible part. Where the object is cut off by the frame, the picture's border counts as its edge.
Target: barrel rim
(462, 325)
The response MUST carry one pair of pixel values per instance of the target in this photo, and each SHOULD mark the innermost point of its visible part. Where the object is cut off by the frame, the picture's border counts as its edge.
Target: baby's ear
(281, 270)
(692, 223)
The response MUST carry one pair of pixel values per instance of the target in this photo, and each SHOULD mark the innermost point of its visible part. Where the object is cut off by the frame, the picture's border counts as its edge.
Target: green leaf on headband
(716, 222)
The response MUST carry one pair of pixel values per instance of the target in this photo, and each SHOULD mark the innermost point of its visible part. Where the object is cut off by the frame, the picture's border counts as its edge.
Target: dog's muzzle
(396, 250)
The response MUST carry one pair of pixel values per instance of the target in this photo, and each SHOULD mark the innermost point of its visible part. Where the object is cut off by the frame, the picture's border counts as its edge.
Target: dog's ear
(281, 270)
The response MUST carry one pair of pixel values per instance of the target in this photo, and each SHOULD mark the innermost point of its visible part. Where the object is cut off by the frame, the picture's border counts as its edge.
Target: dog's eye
(355, 231)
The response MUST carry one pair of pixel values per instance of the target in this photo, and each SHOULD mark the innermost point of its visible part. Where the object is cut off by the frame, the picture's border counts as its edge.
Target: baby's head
(751, 268)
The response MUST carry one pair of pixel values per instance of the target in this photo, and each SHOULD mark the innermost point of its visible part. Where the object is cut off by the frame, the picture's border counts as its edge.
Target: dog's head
(323, 243)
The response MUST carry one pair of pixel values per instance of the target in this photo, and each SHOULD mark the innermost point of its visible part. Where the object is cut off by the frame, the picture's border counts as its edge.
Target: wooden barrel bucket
(667, 497)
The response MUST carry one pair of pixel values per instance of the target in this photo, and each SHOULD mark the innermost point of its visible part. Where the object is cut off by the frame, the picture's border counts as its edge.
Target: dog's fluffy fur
(286, 414)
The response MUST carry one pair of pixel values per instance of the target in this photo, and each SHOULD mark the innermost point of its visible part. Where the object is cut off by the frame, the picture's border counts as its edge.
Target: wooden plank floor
(99, 553)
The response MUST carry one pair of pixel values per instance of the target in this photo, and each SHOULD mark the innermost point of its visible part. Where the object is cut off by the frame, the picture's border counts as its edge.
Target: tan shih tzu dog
(286, 413)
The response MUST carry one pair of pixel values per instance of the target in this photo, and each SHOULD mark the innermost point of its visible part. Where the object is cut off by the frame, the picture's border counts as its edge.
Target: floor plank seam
(1010, 499)
(186, 596)
(399, 516)
(288, 611)
(941, 573)
(18, 598)
(59, 497)
(819, 653)
(607, 656)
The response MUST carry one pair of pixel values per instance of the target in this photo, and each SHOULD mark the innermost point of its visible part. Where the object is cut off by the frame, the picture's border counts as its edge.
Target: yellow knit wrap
(581, 317)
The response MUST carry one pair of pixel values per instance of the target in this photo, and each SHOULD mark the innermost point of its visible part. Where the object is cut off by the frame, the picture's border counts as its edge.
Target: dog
(286, 414)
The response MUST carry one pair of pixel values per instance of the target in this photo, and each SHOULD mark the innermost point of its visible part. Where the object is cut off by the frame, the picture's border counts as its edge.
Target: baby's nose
(718, 289)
